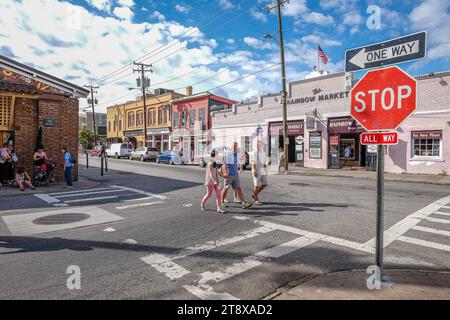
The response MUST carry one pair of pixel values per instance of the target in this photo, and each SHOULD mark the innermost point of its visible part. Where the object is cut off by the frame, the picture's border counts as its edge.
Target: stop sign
(383, 99)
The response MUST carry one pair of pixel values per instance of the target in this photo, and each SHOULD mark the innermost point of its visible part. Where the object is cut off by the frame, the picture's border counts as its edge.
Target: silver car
(144, 153)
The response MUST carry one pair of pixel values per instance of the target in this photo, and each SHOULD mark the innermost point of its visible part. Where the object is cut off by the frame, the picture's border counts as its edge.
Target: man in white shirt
(347, 154)
(259, 171)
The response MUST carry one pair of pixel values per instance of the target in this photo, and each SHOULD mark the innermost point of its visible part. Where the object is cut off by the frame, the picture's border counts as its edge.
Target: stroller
(43, 175)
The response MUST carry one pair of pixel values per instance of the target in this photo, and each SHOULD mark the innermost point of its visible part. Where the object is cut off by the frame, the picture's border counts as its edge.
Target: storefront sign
(49, 122)
(344, 125)
(294, 128)
(310, 123)
(315, 145)
(319, 98)
(158, 131)
(133, 133)
(334, 140)
(427, 134)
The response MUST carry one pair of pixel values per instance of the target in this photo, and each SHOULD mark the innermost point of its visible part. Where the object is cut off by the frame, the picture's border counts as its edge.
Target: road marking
(109, 230)
(312, 235)
(130, 241)
(91, 199)
(56, 194)
(148, 194)
(138, 205)
(164, 265)
(187, 205)
(46, 198)
(446, 207)
(442, 213)
(437, 220)
(424, 243)
(87, 193)
(401, 227)
(256, 259)
(138, 199)
(431, 230)
(206, 293)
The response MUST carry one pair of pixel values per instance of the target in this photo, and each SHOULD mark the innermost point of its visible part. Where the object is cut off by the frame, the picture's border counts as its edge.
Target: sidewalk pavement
(82, 183)
(351, 285)
(371, 175)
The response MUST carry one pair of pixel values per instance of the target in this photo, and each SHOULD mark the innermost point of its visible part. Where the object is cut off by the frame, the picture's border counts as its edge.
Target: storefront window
(430, 147)
(344, 144)
(315, 145)
(175, 119)
(192, 118)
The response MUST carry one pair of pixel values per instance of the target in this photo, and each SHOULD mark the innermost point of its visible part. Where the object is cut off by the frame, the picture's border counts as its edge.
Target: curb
(312, 174)
(293, 284)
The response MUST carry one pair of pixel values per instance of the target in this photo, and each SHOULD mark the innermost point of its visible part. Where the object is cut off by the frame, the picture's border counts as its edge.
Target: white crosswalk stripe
(109, 193)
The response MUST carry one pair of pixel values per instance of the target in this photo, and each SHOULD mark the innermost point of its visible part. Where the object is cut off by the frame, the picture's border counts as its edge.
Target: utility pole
(144, 83)
(283, 82)
(93, 102)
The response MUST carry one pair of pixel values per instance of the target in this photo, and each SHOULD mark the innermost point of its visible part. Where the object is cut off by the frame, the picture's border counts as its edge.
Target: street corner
(361, 285)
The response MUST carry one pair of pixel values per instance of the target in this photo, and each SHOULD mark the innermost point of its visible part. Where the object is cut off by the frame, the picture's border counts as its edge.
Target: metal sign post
(380, 211)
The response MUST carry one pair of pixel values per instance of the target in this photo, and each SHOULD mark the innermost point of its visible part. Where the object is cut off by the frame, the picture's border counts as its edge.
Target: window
(6, 113)
(131, 119)
(427, 144)
(315, 145)
(183, 119)
(175, 119)
(120, 125)
(192, 118)
(154, 117)
(139, 118)
(149, 117)
(109, 125)
(201, 117)
(344, 144)
(160, 115)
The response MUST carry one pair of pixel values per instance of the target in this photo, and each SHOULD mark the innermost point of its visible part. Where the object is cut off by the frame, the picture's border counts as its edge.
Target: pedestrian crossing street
(102, 195)
(179, 267)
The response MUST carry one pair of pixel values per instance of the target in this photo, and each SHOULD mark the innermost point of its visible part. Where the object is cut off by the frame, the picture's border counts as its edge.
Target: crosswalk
(437, 212)
(101, 194)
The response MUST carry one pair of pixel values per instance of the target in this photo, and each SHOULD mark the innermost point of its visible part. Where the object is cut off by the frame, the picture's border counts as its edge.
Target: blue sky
(208, 42)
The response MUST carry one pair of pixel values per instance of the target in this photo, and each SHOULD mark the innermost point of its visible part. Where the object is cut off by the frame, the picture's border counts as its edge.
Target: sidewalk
(83, 183)
(371, 175)
(351, 285)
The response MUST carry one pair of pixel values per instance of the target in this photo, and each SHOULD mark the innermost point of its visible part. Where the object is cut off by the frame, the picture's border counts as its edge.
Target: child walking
(22, 178)
(212, 183)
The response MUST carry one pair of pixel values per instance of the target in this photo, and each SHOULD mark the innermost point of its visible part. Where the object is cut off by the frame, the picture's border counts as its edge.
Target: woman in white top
(212, 183)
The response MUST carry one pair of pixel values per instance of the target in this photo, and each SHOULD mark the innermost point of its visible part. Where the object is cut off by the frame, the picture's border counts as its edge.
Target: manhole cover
(61, 218)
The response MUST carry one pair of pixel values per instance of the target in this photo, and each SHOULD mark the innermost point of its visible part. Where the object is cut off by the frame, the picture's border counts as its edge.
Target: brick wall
(65, 133)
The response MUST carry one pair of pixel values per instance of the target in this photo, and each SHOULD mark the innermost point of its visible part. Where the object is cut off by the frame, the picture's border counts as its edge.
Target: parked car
(144, 153)
(96, 152)
(170, 157)
(119, 150)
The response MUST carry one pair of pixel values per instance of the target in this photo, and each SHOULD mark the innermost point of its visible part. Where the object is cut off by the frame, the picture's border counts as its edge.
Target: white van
(119, 150)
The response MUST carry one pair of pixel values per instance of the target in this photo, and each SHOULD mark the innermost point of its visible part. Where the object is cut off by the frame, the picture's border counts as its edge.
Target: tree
(87, 139)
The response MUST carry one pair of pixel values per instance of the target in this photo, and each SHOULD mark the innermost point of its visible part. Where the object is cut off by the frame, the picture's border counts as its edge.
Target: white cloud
(295, 8)
(104, 5)
(126, 3)
(231, 41)
(182, 8)
(318, 18)
(352, 18)
(315, 39)
(433, 16)
(339, 5)
(226, 4)
(158, 15)
(258, 44)
(258, 14)
(123, 13)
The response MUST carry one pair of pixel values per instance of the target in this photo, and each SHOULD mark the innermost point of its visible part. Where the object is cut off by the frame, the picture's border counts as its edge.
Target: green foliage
(87, 139)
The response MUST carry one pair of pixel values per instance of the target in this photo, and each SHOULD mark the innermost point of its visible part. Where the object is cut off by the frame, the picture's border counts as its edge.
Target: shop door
(299, 150)
(334, 159)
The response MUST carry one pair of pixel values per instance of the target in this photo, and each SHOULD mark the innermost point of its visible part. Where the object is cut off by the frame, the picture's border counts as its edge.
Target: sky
(213, 45)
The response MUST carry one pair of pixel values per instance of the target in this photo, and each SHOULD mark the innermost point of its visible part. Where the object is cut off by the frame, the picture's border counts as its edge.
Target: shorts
(260, 180)
(233, 181)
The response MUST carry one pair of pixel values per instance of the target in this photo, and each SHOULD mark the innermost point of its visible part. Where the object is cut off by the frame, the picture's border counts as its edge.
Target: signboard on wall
(315, 145)
(310, 123)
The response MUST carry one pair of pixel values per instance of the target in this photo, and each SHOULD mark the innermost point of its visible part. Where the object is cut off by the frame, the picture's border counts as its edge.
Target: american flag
(322, 55)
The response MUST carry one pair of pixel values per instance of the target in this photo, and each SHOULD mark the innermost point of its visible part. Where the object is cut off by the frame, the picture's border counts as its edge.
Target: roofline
(27, 71)
(151, 97)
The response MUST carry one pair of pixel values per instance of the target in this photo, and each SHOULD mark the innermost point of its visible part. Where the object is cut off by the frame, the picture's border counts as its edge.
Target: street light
(283, 90)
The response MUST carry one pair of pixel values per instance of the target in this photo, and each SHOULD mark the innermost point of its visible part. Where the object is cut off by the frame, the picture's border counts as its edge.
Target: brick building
(31, 99)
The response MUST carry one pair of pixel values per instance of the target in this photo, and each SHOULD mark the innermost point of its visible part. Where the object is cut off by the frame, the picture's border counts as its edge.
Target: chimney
(189, 91)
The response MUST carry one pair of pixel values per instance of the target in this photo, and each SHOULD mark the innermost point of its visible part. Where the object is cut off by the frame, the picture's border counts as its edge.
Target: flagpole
(318, 59)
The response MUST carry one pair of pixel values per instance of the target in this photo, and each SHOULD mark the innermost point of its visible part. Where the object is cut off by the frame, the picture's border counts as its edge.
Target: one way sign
(403, 49)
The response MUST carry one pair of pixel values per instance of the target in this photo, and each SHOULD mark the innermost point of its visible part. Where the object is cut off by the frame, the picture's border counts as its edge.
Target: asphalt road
(146, 238)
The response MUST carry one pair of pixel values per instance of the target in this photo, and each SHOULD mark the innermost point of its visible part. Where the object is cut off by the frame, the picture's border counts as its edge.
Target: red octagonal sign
(383, 99)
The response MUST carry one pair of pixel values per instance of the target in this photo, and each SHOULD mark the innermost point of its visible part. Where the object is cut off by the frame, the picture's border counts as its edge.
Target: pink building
(320, 126)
